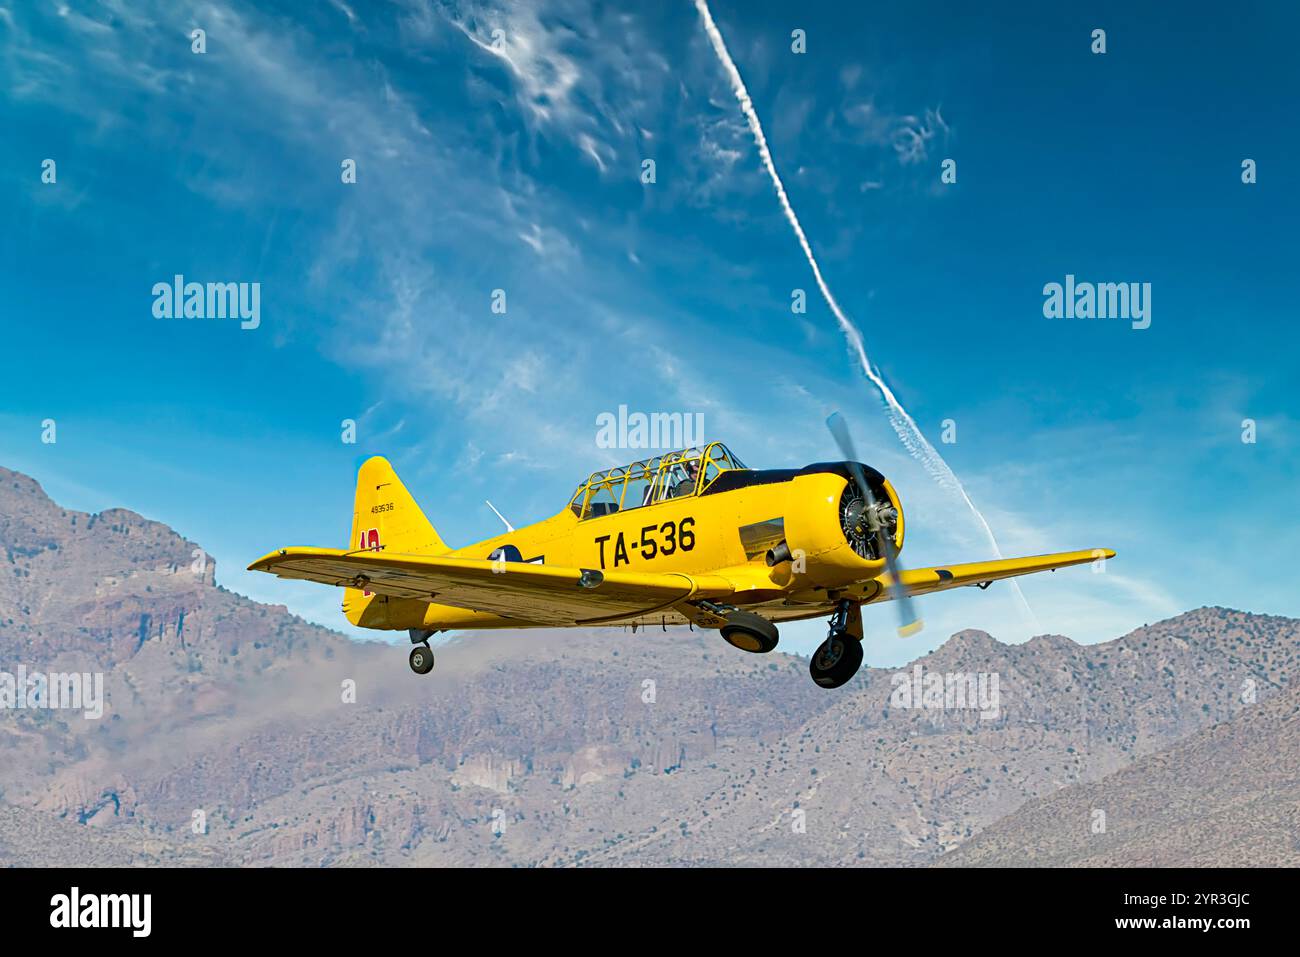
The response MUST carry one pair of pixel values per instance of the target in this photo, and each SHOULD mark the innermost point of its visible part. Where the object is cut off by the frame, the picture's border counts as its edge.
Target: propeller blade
(909, 623)
(840, 432)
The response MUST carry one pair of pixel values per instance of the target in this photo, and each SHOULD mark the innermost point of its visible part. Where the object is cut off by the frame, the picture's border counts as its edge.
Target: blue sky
(518, 167)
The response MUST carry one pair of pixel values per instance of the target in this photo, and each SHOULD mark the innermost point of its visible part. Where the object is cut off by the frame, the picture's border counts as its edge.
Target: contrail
(915, 443)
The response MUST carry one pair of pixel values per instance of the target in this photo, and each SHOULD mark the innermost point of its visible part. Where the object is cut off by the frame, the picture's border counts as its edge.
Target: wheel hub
(831, 652)
(743, 640)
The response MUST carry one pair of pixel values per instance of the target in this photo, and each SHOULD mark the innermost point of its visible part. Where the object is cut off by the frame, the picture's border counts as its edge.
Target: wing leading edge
(546, 594)
(922, 581)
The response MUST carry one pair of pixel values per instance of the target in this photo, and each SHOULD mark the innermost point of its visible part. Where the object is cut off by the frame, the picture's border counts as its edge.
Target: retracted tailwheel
(836, 660)
(750, 632)
(421, 659)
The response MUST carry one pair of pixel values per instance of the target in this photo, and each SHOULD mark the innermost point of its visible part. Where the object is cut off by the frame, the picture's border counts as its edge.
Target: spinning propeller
(876, 515)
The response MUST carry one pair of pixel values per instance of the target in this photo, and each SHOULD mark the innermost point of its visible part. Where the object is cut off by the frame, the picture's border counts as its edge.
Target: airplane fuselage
(729, 528)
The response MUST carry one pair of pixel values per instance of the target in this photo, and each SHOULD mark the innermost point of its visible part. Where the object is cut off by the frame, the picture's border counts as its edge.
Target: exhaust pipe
(775, 556)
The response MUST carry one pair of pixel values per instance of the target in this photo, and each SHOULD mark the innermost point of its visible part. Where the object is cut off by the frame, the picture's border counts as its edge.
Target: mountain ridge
(553, 748)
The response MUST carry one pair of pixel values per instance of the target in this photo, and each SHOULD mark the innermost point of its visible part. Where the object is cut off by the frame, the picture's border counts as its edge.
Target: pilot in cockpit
(684, 476)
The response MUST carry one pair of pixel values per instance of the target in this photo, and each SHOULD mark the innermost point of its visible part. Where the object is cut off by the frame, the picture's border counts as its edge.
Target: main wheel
(421, 659)
(750, 632)
(835, 661)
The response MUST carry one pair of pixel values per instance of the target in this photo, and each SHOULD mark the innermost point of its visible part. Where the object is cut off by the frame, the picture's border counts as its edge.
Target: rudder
(385, 518)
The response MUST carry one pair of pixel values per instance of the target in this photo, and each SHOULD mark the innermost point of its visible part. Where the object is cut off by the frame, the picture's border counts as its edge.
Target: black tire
(750, 632)
(421, 659)
(836, 660)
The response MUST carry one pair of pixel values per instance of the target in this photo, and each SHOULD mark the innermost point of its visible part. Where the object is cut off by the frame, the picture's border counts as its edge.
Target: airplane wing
(545, 594)
(922, 581)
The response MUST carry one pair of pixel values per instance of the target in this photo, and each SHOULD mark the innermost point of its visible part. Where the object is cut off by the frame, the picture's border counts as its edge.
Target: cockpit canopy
(672, 475)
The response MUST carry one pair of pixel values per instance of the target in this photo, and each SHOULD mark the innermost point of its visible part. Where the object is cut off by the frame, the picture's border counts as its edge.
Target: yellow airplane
(690, 537)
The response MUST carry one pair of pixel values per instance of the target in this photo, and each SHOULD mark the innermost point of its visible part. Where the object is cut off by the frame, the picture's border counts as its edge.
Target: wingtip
(262, 563)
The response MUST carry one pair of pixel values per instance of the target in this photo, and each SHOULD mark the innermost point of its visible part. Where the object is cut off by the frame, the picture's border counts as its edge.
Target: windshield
(675, 475)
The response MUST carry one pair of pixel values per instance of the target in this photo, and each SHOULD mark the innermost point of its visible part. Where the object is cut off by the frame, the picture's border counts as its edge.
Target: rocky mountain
(1228, 796)
(234, 732)
(36, 839)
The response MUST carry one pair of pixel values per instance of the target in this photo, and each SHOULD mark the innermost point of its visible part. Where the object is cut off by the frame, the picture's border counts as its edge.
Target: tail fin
(385, 517)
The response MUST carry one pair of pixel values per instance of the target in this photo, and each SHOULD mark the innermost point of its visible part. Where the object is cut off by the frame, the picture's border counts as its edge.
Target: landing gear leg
(838, 658)
(848, 619)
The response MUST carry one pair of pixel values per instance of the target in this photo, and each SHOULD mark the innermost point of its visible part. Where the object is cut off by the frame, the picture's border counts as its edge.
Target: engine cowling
(863, 520)
(830, 529)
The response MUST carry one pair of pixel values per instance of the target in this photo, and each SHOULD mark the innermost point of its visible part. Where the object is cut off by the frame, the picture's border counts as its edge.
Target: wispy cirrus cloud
(513, 164)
